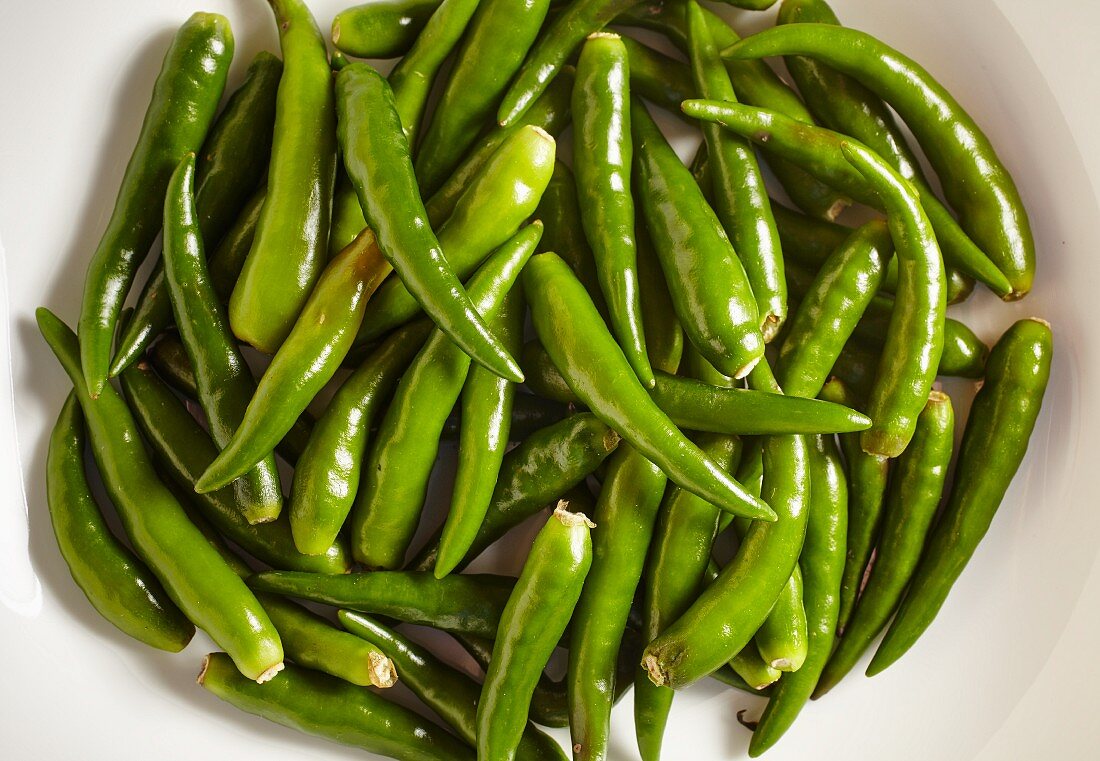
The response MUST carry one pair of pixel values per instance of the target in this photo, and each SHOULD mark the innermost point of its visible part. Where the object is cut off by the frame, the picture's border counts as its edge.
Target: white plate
(1008, 670)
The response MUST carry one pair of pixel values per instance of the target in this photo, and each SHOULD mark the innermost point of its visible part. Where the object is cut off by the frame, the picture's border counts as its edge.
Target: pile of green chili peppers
(717, 415)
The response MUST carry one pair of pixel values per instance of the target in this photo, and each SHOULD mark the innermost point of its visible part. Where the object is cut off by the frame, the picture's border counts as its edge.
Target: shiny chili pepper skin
(485, 420)
(602, 154)
(569, 327)
(324, 706)
(183, 449)
(224, 382)
(740, 198)
(660, 79)
(728, 612)
(386, 29)
(560, 210)
(674, 574)
(707, 281)
(829, 312)
(911, 502)
(196, 579)
(822, 562)
(533, 621)
(291, 243)
(974, 179)
(347, 215)
(914, 340)
(376, 155)
(463, 603)
(492, 50)
(395, 482)
(448, 692)
(819, 152)
(547, 464)
(182, 107)
(230, 166)
(327, 476)
(414, 75)
(993, 446)
(120, 587)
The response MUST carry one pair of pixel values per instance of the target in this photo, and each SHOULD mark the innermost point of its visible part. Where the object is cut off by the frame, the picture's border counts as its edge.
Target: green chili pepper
(184, 449)
(828, 314)
(805, 239)
(568, 325)
(450, 693)
(529, 414)
(728, 612)
(227, 260)
(664, 337)
(224, 382)
(376, 155)
(822, 562)
(347, 215)
(465, 603)
(120, 587)
(184, 100)
(289, 250)
(381, 29)
(322, 705)
(547, 464)
(230, 165)
(560, 210)
(674, 574)
(911, 503)
(497, 200)
(196, 579)
(413, 77)
(660, 79)
(819, 152)
(993, 446)
(492, 50)
(741, 200)
(388, 506)
(533, 621)
(602, 154)
(975, 181)
(707, 281)
(486, 418)
(328, 473)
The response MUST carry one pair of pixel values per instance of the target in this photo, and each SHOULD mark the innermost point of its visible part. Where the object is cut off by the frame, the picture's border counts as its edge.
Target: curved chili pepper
(385, 29)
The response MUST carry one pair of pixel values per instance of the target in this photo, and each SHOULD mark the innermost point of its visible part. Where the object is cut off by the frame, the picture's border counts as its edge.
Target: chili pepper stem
(653, 667)
(562, 513)
(382, 671)
(267, 676)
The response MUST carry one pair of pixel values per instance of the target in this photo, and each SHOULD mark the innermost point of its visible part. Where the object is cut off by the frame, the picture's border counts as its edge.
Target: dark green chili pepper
(492, 50)
(829, 312)
(196, 579)
(547, 464)
(660, 79)
(347, 215)
(486, 417)
(741, 200)
(569, 327)
(529, 414)
(184, 100)
(227, 260)
(448, 692)
(395, 483)
(184, 449)
(819, 152)
(707, 281)
(602, 154)
(120, 587)
(385, 29)
(822, 562)
(465, 603)
(911, 503)
(291, 243)
(993, 446)
(230, 166)
(531, 625)
(674, 574)
(223, 380)
(376, 155)
(975, 181)
(728, 612)
(413, 77)
(664, 337)
(543, 377)
(322, 705)
(806, 240)
(327, 476)
(560, 210)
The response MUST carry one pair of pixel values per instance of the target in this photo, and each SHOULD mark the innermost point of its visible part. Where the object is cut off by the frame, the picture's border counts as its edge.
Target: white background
(1009, 672)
